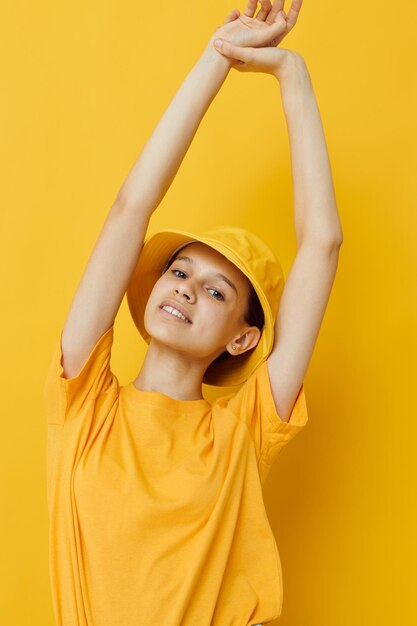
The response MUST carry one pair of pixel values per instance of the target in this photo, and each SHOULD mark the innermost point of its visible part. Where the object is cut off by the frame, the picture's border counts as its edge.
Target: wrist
(213, 58)
(292, 68)
(294, 80)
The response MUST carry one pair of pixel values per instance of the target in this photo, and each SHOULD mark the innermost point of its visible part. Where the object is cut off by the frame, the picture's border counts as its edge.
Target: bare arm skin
(315, 211)
(115, 254)
(317, 225)
(319, 238)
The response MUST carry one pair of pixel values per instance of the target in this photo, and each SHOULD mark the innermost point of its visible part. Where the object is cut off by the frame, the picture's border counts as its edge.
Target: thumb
(235, 52)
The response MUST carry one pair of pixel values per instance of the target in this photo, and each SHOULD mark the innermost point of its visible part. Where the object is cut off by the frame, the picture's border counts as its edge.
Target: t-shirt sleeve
(254, 404)
(65, 397)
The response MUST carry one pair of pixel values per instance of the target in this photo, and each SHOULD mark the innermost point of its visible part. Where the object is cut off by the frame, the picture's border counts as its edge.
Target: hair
(254, 315)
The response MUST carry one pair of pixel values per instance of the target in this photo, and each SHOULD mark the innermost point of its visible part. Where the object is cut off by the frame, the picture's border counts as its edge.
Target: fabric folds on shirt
(156, 513)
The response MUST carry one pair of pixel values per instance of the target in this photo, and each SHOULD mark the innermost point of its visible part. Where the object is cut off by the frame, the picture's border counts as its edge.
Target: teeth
(170, 309)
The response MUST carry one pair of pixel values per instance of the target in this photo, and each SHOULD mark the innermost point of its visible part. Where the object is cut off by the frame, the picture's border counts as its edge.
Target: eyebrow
(181, 257)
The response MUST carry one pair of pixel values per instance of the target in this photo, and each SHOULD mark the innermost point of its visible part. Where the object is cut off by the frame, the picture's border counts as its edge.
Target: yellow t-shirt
(155, 504)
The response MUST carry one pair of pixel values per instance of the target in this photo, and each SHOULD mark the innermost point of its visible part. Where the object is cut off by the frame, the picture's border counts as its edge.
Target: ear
(244, 342)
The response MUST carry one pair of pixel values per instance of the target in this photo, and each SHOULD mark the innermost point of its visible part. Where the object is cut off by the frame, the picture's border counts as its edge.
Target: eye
(221, 295)
(173, 271)
(218, 297)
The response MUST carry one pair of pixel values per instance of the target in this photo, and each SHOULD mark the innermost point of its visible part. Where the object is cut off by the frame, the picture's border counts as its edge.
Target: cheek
(216, 320)
(158, 289)
(155, 297)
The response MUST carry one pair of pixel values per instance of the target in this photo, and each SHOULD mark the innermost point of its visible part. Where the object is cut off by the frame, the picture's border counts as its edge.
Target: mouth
(174, 312)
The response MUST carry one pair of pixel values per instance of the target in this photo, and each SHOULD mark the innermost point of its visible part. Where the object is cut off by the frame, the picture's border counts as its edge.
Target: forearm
(315, 210)
(161, 157)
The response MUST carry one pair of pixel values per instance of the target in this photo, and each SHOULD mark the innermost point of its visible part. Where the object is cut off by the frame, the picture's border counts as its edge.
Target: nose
(183, 290)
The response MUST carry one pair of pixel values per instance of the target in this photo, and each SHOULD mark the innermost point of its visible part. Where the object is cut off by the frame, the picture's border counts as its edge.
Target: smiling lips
(175, 313)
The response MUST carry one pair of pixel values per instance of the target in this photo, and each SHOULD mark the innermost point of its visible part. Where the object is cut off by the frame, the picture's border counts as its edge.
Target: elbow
(338, 236)
(331, 242)
(327, 235)
(334, 244)
(338, 240)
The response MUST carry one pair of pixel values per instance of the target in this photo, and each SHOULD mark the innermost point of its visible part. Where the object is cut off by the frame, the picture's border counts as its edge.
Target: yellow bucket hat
(250, 255)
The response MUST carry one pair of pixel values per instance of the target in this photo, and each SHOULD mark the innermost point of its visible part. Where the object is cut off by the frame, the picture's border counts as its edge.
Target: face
(213, 294)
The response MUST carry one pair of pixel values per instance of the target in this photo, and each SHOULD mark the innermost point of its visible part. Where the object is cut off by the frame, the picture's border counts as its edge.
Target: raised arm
(318, 233)
(115, 254)
(315, 211)
(158, 163)
(317, 225)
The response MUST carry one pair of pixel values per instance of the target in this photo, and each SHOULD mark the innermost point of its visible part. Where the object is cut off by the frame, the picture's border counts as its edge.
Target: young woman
(154, 494)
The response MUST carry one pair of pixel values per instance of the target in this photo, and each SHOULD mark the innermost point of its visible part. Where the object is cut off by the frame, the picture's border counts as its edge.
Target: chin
(163, 333)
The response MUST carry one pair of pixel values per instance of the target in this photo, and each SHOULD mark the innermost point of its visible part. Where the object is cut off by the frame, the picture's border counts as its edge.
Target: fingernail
(282, 14)
(218, 43)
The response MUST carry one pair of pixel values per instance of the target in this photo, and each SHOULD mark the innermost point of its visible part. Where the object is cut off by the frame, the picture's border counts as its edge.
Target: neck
(171, 372)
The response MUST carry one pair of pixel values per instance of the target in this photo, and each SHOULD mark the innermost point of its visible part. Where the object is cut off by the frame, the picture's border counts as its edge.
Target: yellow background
(84, 84)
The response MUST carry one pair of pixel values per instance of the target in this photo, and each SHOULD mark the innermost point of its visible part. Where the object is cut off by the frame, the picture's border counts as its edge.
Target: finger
(292, 17)
(250, 8)
(232, 51)
(263, 36)
(264, 10)
(233, 15)
(293, 13)
(276, 8)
